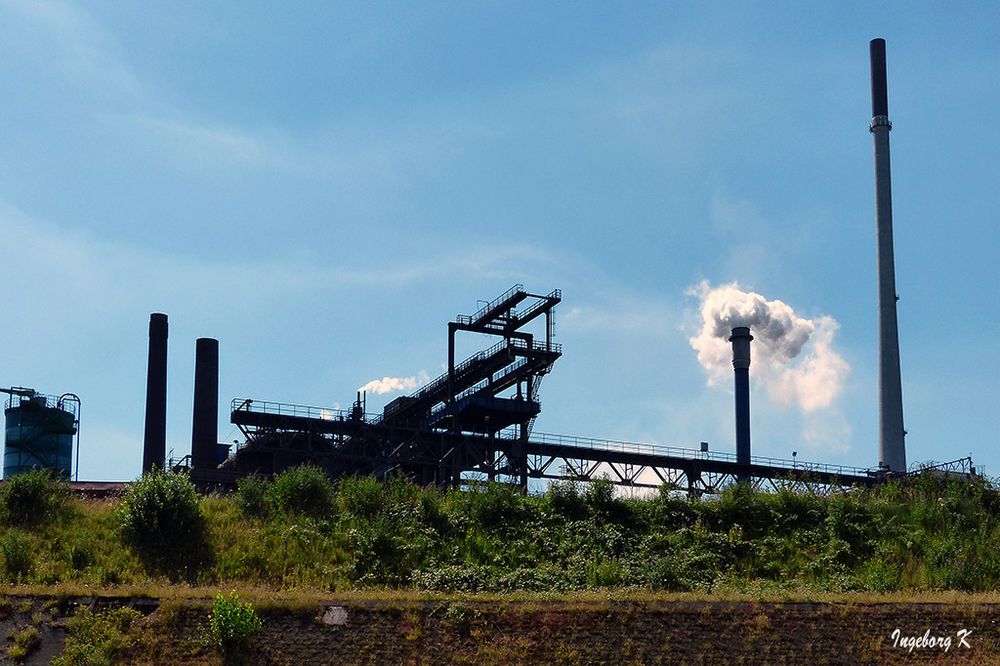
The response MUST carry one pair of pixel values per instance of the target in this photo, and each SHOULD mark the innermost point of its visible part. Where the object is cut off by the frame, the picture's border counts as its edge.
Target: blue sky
(322, 186)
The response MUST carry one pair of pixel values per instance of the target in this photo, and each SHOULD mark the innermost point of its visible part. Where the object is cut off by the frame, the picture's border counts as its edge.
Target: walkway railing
(680, 452)
(332, 414)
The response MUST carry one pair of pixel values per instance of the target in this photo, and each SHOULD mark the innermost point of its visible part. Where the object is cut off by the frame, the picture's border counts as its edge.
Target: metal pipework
(741, 368)
(891, 446)
(205, 427)
(154, 443)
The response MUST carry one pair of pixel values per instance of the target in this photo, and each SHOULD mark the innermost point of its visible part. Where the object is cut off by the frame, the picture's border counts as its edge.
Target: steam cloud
(392, 384)
(793, 357)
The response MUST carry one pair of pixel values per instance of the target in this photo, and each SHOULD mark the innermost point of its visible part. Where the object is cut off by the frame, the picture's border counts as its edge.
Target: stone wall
(549, 632)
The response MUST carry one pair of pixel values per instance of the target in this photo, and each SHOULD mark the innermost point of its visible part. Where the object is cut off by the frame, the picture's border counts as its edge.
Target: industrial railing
(469, 319)
(287, 409)
(331, 414)
(680, 452)
(537, 345)
(555, 294)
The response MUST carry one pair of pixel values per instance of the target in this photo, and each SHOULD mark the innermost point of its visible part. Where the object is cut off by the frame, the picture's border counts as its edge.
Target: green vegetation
(233, 623)
(161, 519)
(32, 498)
(97, 638)
(23, 641)
(15, 547)
(299, 532)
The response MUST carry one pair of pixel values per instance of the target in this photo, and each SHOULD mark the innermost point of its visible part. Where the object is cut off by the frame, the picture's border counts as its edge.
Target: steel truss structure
(473, 424)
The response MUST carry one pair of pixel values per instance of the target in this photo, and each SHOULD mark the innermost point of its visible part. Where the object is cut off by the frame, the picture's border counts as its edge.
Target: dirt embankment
(471, 631)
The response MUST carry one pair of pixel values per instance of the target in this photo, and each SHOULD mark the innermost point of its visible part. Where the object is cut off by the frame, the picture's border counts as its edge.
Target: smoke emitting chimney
(154, 443)
(741, 368)
(205, 427)
(891, 445)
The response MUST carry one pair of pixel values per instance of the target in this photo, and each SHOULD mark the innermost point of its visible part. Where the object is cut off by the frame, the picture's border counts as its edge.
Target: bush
(303, 490)
(233, 623)
(565, 499)
(252, 496)
(160, 516)
(32, 498)
(16, 550)
(600, 497)
(361, 496)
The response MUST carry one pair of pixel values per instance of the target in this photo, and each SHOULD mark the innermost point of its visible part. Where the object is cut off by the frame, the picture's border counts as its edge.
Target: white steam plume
(392, 384)
(792, 357)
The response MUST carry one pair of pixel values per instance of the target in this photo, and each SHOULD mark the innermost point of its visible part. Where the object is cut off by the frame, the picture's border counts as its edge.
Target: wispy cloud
(116, 268)
(198, 142)
(66, 40)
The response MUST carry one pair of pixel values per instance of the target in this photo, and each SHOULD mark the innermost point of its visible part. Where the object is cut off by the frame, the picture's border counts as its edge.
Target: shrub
(160, 516)
(600, 497)
(564, 499)
(361, 496)
(252, 496)
(32, 498)
(303, 490)
(15, 547)
(234, 623)
(498, 505)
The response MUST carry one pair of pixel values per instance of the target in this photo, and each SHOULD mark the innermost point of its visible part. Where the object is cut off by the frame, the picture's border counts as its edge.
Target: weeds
(233, 623)
(23, 642)
(16, 549)
(920, 534)
(98, 638)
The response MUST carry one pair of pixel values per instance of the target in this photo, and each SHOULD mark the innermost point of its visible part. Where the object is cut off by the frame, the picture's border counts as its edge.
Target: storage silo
(39, 432)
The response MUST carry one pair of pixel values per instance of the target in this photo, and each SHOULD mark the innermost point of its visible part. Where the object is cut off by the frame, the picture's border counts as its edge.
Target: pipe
(205, 426)
(891, 447)
(154, 443)
(741, 368)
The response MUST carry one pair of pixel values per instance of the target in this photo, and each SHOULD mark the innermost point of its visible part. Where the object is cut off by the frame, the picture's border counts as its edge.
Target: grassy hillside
(299, 532)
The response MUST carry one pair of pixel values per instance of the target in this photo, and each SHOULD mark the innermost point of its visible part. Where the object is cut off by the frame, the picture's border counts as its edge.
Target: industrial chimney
(154, 443)
(891, 447)
(741, 367)
(205, 427)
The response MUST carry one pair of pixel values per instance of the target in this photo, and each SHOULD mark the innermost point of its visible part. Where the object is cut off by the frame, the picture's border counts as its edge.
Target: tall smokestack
(891, 447)
(741, 367)
(205, 427)
(154, 443)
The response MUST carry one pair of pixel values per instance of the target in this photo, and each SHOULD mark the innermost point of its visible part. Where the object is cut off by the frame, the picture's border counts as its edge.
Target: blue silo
(40, 431)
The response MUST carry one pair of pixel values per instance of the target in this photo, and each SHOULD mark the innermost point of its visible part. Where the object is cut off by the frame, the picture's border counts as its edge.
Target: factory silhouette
(474, 423)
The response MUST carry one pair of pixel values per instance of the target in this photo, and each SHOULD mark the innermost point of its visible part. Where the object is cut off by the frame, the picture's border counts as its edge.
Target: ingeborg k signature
(938, 642)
